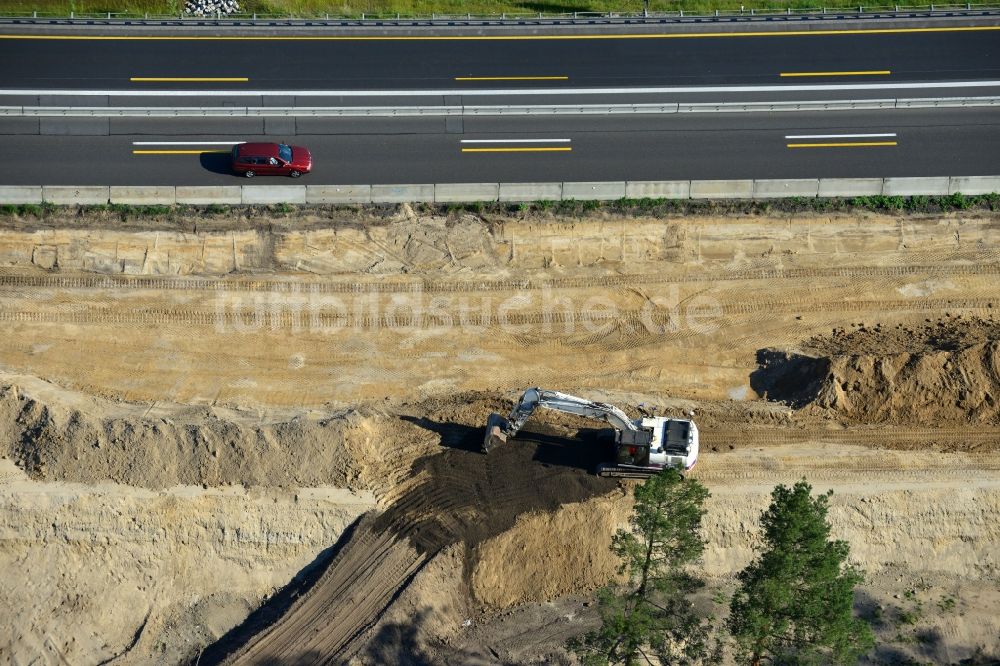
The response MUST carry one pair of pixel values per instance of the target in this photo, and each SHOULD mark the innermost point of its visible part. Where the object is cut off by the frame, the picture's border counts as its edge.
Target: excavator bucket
(495, 435)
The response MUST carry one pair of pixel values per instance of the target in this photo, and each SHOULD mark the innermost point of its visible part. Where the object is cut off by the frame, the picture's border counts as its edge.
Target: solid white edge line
(508, 91)
(837, 136)
(516, 140)
(186, 143)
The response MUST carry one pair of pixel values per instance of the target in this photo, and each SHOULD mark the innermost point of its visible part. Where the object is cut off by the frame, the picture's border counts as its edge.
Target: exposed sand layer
(197, 416)
(102, 571)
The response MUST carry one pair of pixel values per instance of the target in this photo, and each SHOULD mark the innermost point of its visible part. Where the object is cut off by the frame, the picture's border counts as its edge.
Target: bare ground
(161, 376)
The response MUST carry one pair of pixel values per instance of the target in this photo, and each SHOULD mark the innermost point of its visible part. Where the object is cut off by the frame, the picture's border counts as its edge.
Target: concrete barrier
(338, 194)
(508, 192)
(402, 193)
(143, 195)
(279, 126)
(531, 191)
(274, 194)
(207, 125)
(20, 194)
(974, 184)
(902, 187)
(792, 187)
(75, 126)
(19, 125)
(721, 189)
(196, 195)
(70, 195)
(599, 191)
(466, 192)
(658, 189)
(850, 187)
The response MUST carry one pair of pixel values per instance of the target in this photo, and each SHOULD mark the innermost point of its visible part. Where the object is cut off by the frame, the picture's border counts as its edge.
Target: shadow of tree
(398, 643)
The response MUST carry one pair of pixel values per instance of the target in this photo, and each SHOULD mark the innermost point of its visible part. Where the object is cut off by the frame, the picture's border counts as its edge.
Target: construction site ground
(243, 438)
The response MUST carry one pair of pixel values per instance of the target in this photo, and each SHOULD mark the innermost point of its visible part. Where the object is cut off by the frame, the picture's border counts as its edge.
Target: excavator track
(621, 472)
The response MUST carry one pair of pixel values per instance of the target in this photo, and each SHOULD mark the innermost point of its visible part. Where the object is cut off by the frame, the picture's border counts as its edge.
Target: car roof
(261, 149)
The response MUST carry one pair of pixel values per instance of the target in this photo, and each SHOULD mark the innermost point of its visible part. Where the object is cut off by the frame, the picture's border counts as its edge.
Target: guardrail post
(71, 14)
(34, 14)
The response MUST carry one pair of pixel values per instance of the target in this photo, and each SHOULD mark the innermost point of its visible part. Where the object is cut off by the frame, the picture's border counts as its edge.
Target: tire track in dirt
(286, 320)
(878, 436)
(463, 497)
(9, 280)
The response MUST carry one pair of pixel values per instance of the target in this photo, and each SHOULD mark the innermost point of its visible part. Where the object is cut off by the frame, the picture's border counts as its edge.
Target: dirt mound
(56, 440)
(549, 555)
(459, 497)
(917, 388)
(946, 370)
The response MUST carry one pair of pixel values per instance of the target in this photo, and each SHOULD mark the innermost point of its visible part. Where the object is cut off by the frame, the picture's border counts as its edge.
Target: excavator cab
(632, 454)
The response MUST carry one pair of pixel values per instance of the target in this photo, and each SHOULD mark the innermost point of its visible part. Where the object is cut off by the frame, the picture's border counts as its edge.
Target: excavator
(643, 446)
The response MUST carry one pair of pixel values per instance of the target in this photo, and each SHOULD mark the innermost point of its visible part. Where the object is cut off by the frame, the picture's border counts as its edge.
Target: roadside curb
(807, 188)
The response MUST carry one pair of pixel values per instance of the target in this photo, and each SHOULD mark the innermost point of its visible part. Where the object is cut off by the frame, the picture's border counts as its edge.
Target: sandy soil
(277, 381)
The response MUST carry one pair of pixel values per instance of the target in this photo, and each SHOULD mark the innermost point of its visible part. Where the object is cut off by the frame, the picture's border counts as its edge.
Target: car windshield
(285, 152)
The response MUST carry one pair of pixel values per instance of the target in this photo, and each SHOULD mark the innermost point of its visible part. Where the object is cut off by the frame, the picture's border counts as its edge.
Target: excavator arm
(499, 429)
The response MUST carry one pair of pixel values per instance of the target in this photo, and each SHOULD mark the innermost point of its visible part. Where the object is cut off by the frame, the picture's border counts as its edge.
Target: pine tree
(650, 617)
(795, 601)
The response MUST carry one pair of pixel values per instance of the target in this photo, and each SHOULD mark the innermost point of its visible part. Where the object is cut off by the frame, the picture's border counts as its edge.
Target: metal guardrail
(858, 11)
(512, 110)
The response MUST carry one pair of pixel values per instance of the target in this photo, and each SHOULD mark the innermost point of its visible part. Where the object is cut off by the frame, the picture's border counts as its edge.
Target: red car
(271, 159)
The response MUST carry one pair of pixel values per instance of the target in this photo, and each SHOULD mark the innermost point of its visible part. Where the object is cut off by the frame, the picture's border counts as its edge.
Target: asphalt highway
(924, 142)
(132, 69)
(518, 61)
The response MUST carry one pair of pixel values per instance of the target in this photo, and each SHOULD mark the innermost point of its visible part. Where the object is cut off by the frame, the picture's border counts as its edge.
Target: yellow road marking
(176, 152)
(856, 144)
(874, 72)
(516, 150)
(189, 79)
(512, 78)
(450, 38)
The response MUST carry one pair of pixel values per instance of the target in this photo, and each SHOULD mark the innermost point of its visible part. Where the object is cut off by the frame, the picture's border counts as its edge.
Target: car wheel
(295, 174)
(249, 174)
